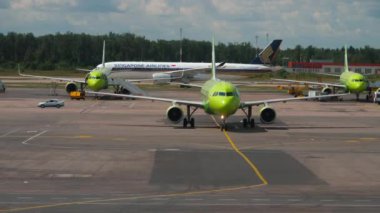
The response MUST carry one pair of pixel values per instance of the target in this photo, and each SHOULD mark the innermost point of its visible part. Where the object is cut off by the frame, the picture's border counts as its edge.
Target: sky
(320, 23)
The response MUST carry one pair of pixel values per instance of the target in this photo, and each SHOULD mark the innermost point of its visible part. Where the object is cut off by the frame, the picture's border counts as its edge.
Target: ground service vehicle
(77, 95)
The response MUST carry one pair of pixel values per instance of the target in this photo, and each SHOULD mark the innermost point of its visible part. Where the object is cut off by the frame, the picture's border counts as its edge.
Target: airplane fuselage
(354, 82)
(172, 66)
(220, 98)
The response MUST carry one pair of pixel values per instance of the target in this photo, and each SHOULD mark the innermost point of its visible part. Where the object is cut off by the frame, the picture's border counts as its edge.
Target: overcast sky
(321, 23)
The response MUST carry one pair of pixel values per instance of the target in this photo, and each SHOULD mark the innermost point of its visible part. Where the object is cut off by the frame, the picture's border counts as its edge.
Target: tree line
(71, 50)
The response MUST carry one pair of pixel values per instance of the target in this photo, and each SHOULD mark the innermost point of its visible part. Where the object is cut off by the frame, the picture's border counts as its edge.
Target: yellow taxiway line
(249, 162)
(130, 198)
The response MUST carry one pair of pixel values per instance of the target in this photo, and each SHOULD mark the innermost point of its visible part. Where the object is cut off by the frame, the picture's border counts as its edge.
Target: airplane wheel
(185, 123)
(192, 122)
(245, 122)
(223, 127)
(252, 123)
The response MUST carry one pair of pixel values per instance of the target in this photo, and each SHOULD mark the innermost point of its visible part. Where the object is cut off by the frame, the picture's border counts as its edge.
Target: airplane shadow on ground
(237, 127)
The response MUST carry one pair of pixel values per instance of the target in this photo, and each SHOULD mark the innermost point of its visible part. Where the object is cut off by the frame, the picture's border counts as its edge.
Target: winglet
(345, 59)
(104, 53)
(213, 71)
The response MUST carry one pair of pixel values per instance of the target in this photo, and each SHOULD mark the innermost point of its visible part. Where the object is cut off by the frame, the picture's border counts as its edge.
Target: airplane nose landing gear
(189, 120)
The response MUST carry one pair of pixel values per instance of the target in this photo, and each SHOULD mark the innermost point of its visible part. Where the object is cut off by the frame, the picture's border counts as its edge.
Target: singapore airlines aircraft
(349, 81)
(219, 98)
(164, 72)
(100, 78)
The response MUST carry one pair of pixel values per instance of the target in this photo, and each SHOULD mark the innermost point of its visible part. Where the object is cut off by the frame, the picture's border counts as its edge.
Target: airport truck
(77, 95)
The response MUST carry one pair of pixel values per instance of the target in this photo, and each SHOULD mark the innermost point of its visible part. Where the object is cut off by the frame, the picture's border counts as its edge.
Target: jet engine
(161, 78)
(326, 91)
(174, 114)
(267, 114)
(71, 87)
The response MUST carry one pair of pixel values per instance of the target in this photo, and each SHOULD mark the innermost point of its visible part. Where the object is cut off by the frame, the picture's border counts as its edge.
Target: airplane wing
(310, 82)
(260, 102)
(83, 70)
(327, 74)
(174, 101)
(186, 84)
(52, 78)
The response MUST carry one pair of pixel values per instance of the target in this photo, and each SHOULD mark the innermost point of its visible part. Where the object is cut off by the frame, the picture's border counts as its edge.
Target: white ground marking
(8, 133)
(34, 136)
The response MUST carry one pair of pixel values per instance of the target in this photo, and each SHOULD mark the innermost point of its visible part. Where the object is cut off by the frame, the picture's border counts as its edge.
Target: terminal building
(332, 68)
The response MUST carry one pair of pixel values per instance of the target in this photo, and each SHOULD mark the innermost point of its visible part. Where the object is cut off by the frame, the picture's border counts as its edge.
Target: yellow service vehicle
(77, 95)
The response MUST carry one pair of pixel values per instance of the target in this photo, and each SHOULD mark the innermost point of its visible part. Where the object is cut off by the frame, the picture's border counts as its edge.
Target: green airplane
(95, 80)
(220, 98)
(349, 81)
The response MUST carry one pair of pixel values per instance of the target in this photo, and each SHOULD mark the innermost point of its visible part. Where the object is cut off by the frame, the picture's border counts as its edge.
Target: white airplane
(165, 72)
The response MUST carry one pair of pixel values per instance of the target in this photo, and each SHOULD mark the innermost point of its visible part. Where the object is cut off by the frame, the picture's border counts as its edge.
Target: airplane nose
(225, 107)
(359, 86)
(93, 84)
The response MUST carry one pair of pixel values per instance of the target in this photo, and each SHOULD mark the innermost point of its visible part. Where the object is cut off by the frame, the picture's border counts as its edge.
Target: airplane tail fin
(104, 54)
(268, 54)
(345, 59)
(213, 68)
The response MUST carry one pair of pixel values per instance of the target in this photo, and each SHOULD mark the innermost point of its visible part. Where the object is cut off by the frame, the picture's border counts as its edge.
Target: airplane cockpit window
(357, 80)
(225, 94)
(94, 77)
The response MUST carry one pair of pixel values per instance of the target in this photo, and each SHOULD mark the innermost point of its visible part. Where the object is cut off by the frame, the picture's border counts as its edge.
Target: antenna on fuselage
(104, 54)
(345, 59)
(213, 71)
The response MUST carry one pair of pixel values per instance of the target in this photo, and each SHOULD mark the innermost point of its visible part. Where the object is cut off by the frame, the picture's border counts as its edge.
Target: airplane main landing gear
(249, 121)
(189, 120)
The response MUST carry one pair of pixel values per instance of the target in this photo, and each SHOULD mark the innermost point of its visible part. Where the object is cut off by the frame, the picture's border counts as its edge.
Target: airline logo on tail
(268, 54)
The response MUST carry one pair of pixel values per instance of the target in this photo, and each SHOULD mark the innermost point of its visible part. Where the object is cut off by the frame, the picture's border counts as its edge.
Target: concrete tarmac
(123, 156)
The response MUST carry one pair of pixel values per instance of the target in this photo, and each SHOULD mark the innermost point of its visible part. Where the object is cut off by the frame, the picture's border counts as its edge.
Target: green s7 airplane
(95, 80)
(349, 81)
(219, 98)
